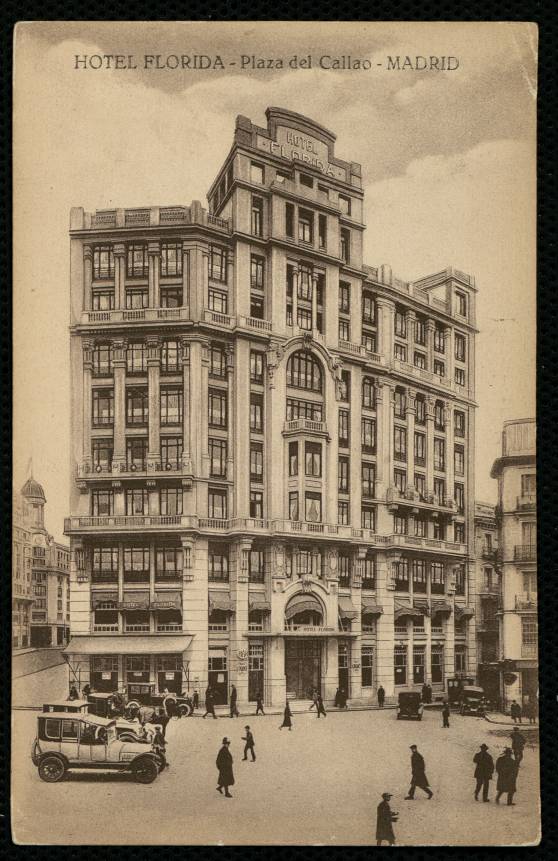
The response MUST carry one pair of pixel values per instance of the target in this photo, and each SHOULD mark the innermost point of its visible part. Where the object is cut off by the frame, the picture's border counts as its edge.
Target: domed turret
(35, 498)
(32, 490)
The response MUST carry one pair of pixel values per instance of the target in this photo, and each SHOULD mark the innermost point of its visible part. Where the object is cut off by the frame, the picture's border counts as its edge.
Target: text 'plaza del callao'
(272, 442)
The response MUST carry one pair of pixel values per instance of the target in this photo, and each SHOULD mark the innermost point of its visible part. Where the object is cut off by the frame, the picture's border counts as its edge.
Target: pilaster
(153, 255)
(87, 276)
(87, 347)
(119, 252)
(119, 366)
(154, 400)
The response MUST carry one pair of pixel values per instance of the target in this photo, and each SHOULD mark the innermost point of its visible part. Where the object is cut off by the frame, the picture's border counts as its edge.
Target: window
(529, 636)
(256, 462)
(170, 357)
(305, 226)
(136, 562)
(344, 297)
(459, 423)
(439, 340)
(101, 454)
(293, 506)
(368, 518)
(345, 204)
(400, 404)
(439, 454)
(137, 407)
(459, 460)
(304, 372)
(138, 298)
(459, 497)
(421, 527)
(343, 512)
(344, 570)
(137, 501)
(217, 503)
(439, 417)
(306, 180)
(368, 435)
(368, 394)
(257, 265)
(345, 386)
(345, 245)
(256, 413)
(218, 563)
(437, 578)
(344, 428)
(400, 443)
(529, 484)
(103, 262)
(460, 347)
(400, 524)
(369, 573)
(419, 360)
(137, 263)
(136, 453)
(313, 459)
(102, 300)
(293, 458)
(344, 330)
(217, 263)
(400, 665)
(217, 362)
(460, 659)
(420, 410)
(460, 376)
(102, 360)
(440, 491)
(368, 474)
(439, 530)
(297, 409)
(369, 341)
(400, 324)
(343, 475)
(289, 220)
(400, 352)
(102, 502)
(529, 534)
(529, 583)
(439, 368)
(136, 358)
(103, 407)
(171, 259)
(256, 503)
(171, 297)
(367, 666)
(257, 216)
(256, 367)
(322, 231)
(256, 566)
(400, 480)
(218, 458)
(171, 451)
(105, 561)
(420, 332)
(257, 173)
(171, 406)
(461, 304)
(217, 404)
(368, 310)
(459, 533)
(420, 449)
(437, 664)
(218, 301)
(313, 507)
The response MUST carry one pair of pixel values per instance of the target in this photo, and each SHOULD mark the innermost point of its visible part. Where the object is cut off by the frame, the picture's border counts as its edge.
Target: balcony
(254, 323)
(526, 603)
(124, 523)
(142, 628)
(360, 350)
(437, 631)
(426, 544)
(413, 499)
(154, 469)
(488, 626)
(488, 552)
(529, 650)
(135, 315)
(224, 321)
(525, 553)
(105, 629)
(527, 502)
(305, 426)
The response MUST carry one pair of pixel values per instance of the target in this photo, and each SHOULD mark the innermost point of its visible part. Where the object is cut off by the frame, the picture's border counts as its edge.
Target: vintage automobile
(115, 704)
(409, 705)
(473, 701)
(81, 706)
(79, 740)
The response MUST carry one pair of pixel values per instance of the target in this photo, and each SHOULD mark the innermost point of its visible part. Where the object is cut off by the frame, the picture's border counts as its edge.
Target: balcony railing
(525, 552)
(305, 425)
(529, 650)
(214, 627)
(526, 602)
(254, 323)
(488, 552)
(105, 629)
(437, 631)
(527, 501)
(136, 629)
(122, 522)
(255, 626)
(219, 319)
(122, 315)
(168, 628)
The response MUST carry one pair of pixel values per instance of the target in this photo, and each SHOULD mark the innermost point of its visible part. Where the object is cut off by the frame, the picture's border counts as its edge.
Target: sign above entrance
(293, 145)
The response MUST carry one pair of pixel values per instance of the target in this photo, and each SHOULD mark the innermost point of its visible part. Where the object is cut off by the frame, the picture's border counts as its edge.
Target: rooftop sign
(293, 145)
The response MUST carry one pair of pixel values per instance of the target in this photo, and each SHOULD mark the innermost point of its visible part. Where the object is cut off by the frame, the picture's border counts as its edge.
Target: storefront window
(437, 664)
(400, 665)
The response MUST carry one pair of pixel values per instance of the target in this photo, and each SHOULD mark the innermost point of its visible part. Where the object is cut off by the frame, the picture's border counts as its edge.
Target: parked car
(115, 704)
(68, 741)
(409, 705)
(473, 701)
(67, 706)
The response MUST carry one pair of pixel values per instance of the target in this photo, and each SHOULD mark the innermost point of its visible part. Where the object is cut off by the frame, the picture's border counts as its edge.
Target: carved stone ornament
(279, 552)
(332, 559)
(306, 583)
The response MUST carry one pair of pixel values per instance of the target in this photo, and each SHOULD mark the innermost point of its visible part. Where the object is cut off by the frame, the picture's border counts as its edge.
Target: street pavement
(319, 784)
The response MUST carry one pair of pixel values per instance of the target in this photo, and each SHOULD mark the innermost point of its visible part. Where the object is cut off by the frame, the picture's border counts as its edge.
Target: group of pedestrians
(225, 761)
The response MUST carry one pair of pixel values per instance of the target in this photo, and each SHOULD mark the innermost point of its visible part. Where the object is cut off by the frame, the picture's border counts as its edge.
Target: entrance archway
(303, 655)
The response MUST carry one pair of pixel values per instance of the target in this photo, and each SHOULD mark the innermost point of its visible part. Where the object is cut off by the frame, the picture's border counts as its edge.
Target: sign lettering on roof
(293, 145)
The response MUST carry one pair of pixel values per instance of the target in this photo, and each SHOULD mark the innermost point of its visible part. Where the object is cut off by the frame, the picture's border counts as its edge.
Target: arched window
(304, 372)
(368, 393)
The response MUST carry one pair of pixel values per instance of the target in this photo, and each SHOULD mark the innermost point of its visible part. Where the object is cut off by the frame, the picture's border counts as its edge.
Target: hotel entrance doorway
(303, 667)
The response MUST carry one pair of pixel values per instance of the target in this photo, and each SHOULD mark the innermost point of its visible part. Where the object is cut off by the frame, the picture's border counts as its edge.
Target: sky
(448, 162)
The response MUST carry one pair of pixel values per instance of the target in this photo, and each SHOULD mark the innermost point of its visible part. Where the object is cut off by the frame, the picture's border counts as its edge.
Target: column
(448, 424)
(449, 641)
(231, 419)
(87, 276)
(204, 281)
(185, 275)
(238, 624)
(119, 498)
(119, 251)
(385, 640)
(355, 645)
(232, 287)
(87, 347)
(239, 435)
(429, 445)
(119, 365)
(355, 417)
(154, 401)
(195, 610)
(430, 327)
(153, 254)
(410, 318)
(386, 315)
(296, 277)
(411, 402)
(449, 348)
(188, 407)
(314, 302)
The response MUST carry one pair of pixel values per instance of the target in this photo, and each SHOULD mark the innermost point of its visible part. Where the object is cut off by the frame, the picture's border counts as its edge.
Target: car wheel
(185, 710)
(51, 769)
(145, 770)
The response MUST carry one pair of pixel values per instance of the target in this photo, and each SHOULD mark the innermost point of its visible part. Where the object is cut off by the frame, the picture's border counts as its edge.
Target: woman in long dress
(287, 715)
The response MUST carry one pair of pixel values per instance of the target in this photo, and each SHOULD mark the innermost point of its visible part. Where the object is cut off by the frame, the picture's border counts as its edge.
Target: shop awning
(103, 598)
(301, 603)
(421, 604)
(258, 602)
(441, 607)
(463, 613)
(370, 608)
(401, 610)
(167, 601)
(347, 609)
(135, 601)
(220, 601)
(146, 644)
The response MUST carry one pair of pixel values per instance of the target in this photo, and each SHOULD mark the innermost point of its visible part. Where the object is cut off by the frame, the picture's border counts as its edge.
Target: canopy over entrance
(303, 603)
(154, 644)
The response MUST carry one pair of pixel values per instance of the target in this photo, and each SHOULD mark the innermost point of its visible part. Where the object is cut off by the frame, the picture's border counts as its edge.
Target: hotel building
(272, 442)
(488, 600)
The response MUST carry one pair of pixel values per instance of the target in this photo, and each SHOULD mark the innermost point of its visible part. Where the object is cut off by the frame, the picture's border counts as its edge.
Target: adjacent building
(272, 442)
(517, 553)
(22, 587)
(488, 600)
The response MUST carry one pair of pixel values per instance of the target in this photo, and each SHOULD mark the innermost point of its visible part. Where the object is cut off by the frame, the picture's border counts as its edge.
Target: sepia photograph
(274, 453)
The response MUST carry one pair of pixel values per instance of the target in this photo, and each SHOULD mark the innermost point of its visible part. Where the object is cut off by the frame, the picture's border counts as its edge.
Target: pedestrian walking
(424, 693)
(384, 822)
(337, 696)
(234, 698)
(314, 700)
(224, 763)
(259, 704)
(484, 769)
(445, 714)
(506, 769)
(249, 746)
(162, 720)
(381, 697)
(159, 746)
(196, 700)
(209, 704)
(518, 742)
(320, 706)
(531, 709)
(429, 693)
(418, 775)
(287, 715)
(515, 711)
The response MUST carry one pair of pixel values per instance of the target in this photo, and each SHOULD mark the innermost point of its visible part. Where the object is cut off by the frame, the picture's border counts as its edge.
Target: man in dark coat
(209, 704)
(314, 700)
(343, 699)
(234, 698)
(385, 820)
(424, 693)
(484, 769)
(381, 697)
(517, 743)
(287, 715)
(259, 704)
(531, 709)
(515, 711)
(445, 714)
(249, 746)
(506, 769)
(196, 700)
(429, 693)
(224, 764)
(320, 706)
(418, 775)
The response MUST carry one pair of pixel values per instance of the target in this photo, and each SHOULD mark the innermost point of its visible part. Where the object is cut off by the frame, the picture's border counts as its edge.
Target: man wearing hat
(506, 769)
(483, 772)
(224, 764)
(384, 826)
(249, 746)
(418, 775)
